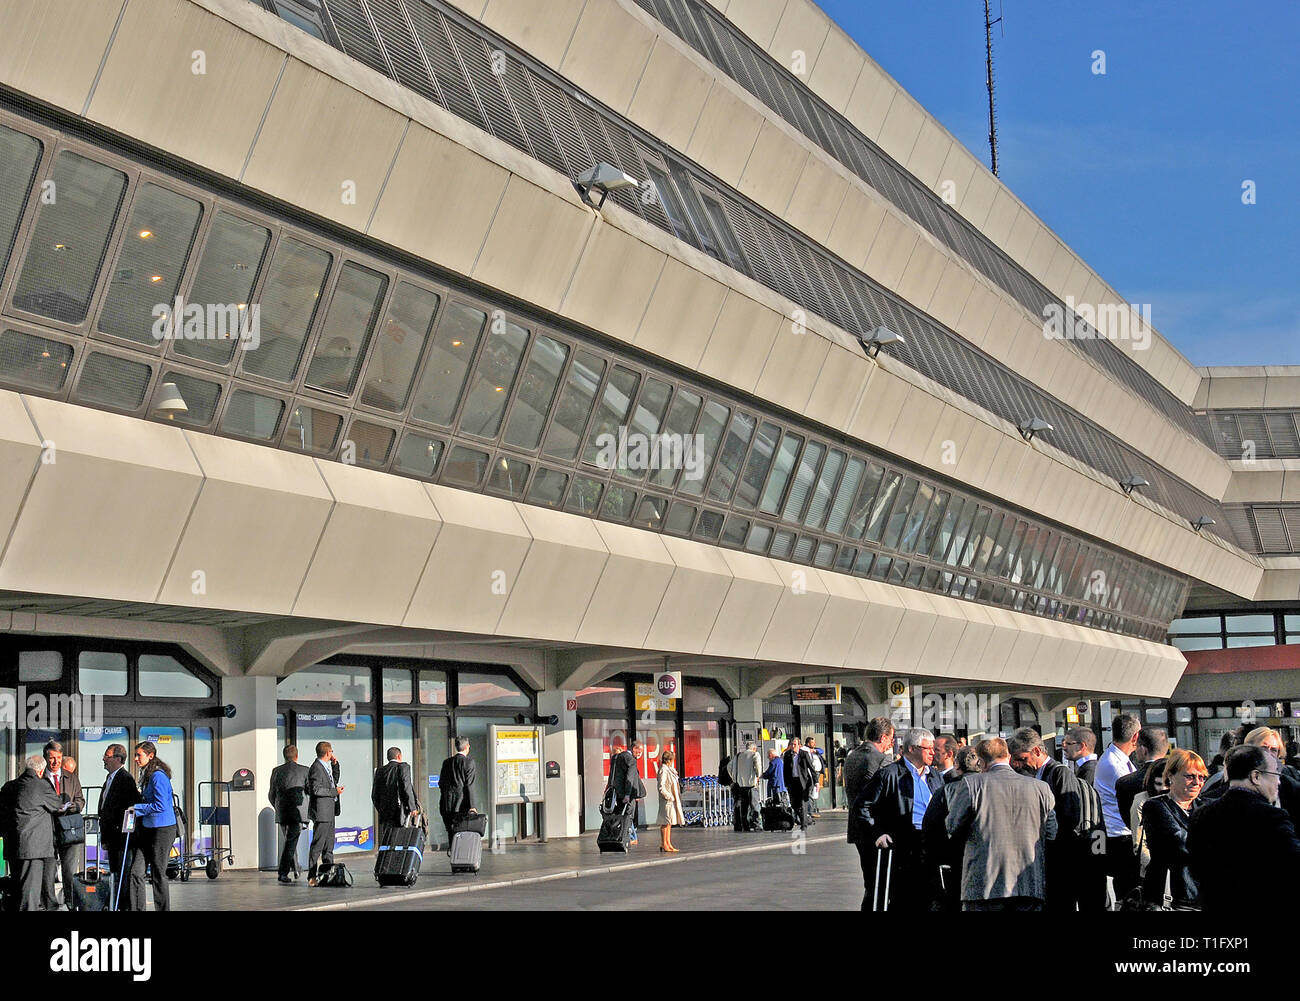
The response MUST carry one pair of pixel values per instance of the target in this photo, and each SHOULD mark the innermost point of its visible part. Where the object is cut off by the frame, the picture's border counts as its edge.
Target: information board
(517, 764)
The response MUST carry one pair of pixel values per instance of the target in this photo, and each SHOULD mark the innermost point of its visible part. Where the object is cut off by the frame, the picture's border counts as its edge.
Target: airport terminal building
(385, 370)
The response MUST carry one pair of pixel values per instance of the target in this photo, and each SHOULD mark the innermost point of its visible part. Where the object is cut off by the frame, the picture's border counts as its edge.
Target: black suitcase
(615, 830)
(777, 816)
(92, 890)
(398, 862)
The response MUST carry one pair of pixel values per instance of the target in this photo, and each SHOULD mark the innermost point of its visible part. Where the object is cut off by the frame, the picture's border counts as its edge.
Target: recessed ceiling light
(155, 278)
(455, 344)
(145, 234)
(60, 246)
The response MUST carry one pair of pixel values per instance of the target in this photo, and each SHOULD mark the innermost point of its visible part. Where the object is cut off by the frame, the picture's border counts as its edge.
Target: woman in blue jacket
(155, 828)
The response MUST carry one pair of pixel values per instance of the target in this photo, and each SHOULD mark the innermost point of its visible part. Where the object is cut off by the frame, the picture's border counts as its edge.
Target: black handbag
(69, 830)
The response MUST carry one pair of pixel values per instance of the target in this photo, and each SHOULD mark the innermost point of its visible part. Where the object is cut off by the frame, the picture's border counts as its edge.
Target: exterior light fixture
(878, 338)
(1202, 522)
(1130, 483)
(1030, 426)
(170, 402)
(603, 178)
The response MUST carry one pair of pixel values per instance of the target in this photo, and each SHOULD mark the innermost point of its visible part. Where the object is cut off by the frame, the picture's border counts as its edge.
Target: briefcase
(476, 822)
(615, 829)
(69, 830)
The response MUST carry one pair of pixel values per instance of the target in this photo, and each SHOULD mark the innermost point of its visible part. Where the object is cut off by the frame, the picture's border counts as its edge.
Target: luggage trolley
(214, 814)
(181, 860)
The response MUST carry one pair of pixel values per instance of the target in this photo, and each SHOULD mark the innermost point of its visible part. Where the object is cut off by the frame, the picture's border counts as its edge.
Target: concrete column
(748, 714)
(249, 741)
(563, 795)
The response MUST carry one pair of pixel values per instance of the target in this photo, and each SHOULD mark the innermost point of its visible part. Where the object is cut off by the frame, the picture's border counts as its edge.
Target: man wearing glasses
(1242, 841)
(1288, 791)
(1080, 749)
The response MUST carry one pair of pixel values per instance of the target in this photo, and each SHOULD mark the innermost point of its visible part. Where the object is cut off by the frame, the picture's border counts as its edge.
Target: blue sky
(1139, 170)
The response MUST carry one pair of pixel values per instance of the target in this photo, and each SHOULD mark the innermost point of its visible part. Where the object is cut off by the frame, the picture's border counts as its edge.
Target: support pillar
(564, 794)
(249, 741)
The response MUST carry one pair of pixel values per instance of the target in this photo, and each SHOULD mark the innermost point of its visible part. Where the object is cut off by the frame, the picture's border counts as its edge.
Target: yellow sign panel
(647, 698)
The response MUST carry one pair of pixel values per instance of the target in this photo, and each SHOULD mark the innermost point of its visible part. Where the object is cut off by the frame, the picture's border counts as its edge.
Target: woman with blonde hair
(1164, 825)
(670, 800)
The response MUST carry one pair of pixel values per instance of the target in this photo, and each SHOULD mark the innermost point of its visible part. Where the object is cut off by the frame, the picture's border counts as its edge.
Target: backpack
(1090, 816)
(724, 772)
(334, 875)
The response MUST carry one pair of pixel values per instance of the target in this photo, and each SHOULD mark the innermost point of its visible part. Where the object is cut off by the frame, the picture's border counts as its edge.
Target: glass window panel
(821, 498)
(494, 376)
(803, 481)
(736, 530)
(433, 688)
(101, 673)
(825, 554)
(704, 448)
(943, 537)
(67, 247)
(782, 544)
(419, 455)
(781, 471)
(585, 495)
(548, 487)
(760, 460)
(312, 430)
(19, 155)
(647, 418)
(228, 268)
(353, 738)
(672, 206)
(574, 408)
(803, 549)
(31, 362)
(709, 526)
(1061, 562)
(1240, 641)
(960, 533)
(991, 534)
(346, 332)
(1024, 552)
(618, 504)
(391, 372)
(933, 519)
(148, 270)
(1013, 548)
(880, 569)
(997, 557)
(1045, 560)
(39, 665)
(681, 518)
(880, 507)
(602, 695)
(396, 686)
(509, 476)
(1248, 623)
(730, 245)
(844, 561)
(680, 423)
(862, 505)
(373, 442)
(976, 535)
(454, 342)
(327, 683)
(611, 414)
(289, 300)
(650, 513)
(200, 397)
(730, 458)
(536, 392)
(898, 516)
(844, 495)
(113, 382)
(164, 677)
(465, 467)
(898, 571)
(862, 565)
(1035, 556)
(759, 538)
(252, 415)
(916, 517)
(1291, 622)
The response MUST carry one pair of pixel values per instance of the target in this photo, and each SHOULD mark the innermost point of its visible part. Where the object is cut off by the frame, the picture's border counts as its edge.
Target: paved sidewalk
(517, 864)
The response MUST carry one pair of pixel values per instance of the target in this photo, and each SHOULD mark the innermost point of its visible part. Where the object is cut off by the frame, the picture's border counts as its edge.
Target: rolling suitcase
(92, 888)
(777, 816)
(398, 862)
(615, 829)
(466, 851)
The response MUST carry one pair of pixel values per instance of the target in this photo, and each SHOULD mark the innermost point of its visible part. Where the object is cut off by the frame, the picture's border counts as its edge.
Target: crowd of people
(1002, 826)
(42, 824)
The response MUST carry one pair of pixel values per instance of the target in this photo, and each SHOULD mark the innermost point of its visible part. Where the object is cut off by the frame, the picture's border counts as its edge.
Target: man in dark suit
(67, 787)
(1241, 841)
(942, 856)
(116, 796)
(29, 806)
(288, 796)
(869, 757)
(393, 795)
(456, 786)
(889, 813)
(1152, 746)
(323, 792)
(1067, 854)
(1080, 749)
(799, 779)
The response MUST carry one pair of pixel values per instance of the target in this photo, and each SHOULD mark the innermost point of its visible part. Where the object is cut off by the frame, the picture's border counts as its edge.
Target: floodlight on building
(1202, 522)
(1030, 426)
(604, 178)
(877, 338)
(1130, 483)
(170, 402)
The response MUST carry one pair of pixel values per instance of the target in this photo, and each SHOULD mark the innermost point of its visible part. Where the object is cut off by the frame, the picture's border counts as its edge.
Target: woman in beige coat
(670, 800)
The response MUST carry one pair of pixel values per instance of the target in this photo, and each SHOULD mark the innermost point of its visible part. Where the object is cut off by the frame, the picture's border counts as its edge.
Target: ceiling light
(1030, 426)
(604, 178)
(145, 234)
(155, 278)
(170, 402)
(878, 338)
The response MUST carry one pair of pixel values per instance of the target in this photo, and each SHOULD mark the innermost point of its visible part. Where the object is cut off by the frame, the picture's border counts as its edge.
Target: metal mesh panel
(540, 136)
(1282, 433)
(458, 97)
(400, 47)
(31, 362)
(19, 155)
(1270, 530)
(356, 34)
(109, 381)
(555, 105)
(477, 59)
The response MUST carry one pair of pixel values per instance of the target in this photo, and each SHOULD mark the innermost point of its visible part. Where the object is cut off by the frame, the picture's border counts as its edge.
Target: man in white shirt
(1121, 863)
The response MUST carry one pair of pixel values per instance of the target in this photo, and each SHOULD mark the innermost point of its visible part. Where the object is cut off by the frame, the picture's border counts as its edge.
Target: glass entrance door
(432, 748)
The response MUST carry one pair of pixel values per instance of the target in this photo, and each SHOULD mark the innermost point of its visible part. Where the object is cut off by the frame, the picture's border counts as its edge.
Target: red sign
(571, 704)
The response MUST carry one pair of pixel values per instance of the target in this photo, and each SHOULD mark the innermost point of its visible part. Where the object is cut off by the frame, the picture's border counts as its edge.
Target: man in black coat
(888, 814)
(28, 806)
(1067, 855)
(393, 795)
(875, 751)
(1080, 749)
(323, 793)
(456, 786)
(116, 796)
(1241, 841)
(1152, 746)
(67, 787)
(288, 796)
(799, 779)
(941, 854)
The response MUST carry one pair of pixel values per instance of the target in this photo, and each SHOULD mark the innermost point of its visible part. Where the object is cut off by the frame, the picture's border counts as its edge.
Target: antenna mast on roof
(988, 50)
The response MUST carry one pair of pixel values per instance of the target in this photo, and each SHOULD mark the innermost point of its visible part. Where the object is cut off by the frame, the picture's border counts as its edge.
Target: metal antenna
(988, 55)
